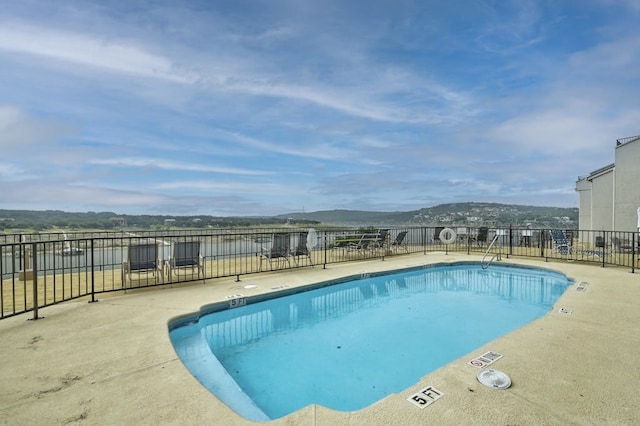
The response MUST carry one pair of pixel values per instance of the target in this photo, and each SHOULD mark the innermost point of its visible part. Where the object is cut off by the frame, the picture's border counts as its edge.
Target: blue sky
(267, 107)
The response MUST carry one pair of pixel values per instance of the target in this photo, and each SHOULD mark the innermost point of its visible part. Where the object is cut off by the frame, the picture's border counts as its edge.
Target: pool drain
(494, 379)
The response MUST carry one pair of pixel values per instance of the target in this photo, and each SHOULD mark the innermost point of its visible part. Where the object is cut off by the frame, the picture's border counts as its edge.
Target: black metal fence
(39, 270)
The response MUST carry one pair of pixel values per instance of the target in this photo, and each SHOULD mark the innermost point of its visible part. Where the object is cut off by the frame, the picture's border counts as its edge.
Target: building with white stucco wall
(610, 196)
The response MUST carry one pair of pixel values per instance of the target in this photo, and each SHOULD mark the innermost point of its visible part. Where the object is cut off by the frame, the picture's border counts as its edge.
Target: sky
(244, 108)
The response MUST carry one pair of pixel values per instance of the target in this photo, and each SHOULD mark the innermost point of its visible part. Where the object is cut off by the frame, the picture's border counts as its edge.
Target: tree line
(56, 219)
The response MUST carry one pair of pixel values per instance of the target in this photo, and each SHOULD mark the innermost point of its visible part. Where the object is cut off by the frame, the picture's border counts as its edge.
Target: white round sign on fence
(448, 236)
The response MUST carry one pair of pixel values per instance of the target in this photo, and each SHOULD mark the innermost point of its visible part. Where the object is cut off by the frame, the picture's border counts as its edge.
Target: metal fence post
(633, 253)
(324, 265)
(93, 281)
(34, 268)
(510, 242)
(604, 247)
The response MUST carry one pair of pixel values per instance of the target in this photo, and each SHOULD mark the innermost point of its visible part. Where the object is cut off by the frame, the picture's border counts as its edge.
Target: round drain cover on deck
(494, 379)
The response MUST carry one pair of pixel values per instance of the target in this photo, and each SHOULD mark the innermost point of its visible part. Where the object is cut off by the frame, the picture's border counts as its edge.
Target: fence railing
(39, 270)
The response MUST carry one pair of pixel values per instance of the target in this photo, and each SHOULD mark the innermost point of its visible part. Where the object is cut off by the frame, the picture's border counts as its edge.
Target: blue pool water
(348, 345)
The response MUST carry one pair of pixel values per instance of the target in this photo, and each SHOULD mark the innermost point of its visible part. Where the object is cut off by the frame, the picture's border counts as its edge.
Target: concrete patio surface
(112, 363)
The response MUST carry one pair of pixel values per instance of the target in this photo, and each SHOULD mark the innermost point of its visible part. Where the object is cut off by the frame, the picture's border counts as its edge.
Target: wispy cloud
(11, 173)
(225, 187)
(630, 4)
(163, 164)
(86, 50)
(317, 151)
(19, 130)
(619, 57)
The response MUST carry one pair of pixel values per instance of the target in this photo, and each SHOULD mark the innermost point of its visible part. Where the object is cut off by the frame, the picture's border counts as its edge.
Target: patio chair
(525, 238)
(483, 235)
(185, 255)
(399, 242)
(301, 248)
(436, 236)
(279, 251)
(463, 235)
(142, 258)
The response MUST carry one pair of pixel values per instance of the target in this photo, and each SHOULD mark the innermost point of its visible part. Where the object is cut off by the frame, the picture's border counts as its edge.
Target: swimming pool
(348, 343)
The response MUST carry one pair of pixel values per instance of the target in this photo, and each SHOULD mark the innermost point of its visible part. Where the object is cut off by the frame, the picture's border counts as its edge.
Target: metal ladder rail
(486, 265)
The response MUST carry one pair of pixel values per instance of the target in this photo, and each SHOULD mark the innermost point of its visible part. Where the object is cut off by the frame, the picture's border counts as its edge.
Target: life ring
(448, 236)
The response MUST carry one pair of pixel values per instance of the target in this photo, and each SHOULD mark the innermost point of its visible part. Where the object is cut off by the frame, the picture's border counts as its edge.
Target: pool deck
(111, 362)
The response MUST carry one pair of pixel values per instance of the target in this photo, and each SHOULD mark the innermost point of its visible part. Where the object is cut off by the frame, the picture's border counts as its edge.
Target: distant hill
(456, 214)
(353, 217)
(14, 221)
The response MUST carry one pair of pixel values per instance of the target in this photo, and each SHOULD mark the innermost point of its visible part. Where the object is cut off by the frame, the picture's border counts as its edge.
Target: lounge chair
(279, 251)
(399, 242)
(600, 251)
(560, 243)
(562, 246)
(380, 239)
(301, 248)
(621, 246)
(142, 258)
(185, 254)
(365, 243)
